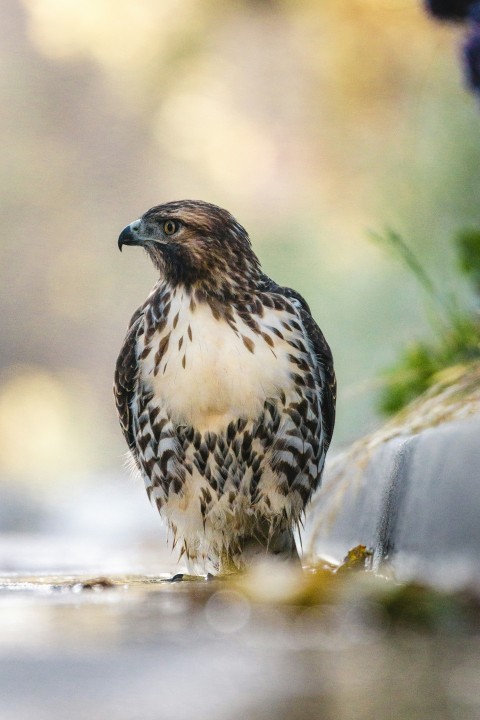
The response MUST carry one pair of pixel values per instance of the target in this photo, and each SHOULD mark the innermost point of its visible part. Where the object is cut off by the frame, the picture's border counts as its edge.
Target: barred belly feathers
(225, 390)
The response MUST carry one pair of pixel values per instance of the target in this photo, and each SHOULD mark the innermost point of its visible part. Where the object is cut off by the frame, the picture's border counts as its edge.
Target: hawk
(225, 390)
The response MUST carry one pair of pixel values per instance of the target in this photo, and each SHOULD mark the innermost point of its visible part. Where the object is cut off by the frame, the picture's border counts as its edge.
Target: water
(272, 645)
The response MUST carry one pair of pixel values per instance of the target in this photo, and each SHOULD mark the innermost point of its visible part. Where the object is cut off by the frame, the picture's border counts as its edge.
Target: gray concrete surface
(414, 499)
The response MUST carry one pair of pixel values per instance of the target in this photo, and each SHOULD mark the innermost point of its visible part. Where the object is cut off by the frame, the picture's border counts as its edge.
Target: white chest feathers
(207, 373)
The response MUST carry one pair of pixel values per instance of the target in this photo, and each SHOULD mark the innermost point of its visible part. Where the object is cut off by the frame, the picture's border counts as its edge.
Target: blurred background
(314, 123)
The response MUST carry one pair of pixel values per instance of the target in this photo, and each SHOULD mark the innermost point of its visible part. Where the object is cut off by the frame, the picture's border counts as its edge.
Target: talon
(182, 577)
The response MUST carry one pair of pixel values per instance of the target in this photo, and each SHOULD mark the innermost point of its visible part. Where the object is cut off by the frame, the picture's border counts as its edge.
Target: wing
(321, 351)
(126, 371)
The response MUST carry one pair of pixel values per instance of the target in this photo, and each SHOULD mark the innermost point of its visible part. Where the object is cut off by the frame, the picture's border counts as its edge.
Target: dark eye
(170, 227)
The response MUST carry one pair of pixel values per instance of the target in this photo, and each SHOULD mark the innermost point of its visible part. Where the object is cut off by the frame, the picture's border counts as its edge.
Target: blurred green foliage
(422, 363)
(468, 243)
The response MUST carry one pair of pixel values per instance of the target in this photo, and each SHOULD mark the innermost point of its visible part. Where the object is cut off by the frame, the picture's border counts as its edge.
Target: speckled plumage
(225, 389)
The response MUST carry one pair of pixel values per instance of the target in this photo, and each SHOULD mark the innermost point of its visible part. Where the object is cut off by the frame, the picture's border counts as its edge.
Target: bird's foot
(184, 577)
(224, 575)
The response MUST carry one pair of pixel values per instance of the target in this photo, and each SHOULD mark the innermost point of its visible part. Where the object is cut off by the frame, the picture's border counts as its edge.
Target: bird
(225, 390)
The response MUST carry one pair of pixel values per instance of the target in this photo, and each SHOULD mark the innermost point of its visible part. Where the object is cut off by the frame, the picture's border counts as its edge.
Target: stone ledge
(411, 491)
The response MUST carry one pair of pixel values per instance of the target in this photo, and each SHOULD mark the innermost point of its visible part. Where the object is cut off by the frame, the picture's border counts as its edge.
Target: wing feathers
(321, 350)
(126, 371)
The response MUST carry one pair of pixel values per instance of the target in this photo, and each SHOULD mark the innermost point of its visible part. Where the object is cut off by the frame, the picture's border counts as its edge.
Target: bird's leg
(265, 540)
(227, 567)
(261, 543)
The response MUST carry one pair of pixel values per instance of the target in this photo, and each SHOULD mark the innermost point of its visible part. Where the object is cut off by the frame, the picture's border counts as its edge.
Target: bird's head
(195, 244)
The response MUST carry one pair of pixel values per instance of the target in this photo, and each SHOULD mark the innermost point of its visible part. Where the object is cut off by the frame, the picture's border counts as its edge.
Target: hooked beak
(129, 235)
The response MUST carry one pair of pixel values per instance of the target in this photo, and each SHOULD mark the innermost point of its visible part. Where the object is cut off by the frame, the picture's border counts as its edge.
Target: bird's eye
(170, 227)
